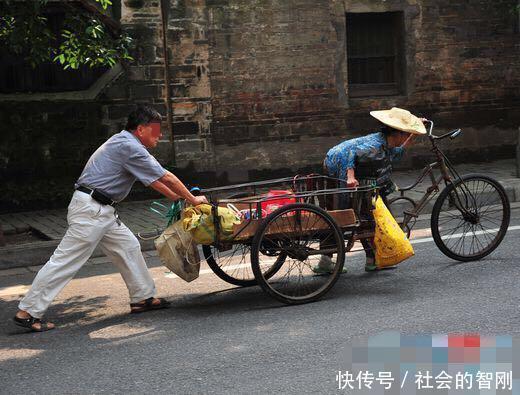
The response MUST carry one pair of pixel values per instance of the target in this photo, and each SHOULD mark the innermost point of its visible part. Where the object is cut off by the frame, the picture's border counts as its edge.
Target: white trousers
(90, 224)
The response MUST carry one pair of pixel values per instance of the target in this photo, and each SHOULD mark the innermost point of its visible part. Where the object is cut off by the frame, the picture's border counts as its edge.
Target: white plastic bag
(178, 252)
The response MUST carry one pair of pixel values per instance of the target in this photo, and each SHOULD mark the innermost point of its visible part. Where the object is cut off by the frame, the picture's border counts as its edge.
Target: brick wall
(189, 77)
(259, 89)
(279, 79)
(274, 85)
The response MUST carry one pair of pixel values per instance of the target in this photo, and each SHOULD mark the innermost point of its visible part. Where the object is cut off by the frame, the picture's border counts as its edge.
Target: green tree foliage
(82, 40)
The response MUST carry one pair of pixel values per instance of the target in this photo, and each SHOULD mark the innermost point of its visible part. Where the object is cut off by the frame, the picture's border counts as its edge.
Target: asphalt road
(221, 339)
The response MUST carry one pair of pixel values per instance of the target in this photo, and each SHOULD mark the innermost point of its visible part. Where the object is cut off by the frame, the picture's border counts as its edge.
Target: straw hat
(400, 119)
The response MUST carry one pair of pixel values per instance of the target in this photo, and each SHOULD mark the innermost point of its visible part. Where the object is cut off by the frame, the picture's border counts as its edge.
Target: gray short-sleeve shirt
(117, 164)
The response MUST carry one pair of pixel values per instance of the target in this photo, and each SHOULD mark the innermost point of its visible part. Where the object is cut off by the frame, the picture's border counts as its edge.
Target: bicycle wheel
(303, 233)
(470, 217)
(234, 265)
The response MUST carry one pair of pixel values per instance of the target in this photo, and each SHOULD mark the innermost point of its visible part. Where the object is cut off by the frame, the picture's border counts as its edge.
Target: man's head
(145, 123)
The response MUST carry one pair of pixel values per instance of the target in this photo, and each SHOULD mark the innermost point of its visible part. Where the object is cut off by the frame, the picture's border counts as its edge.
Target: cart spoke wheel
(303, 234)
(233, 264)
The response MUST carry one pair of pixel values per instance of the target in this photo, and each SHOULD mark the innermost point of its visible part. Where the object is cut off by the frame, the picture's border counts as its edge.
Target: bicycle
(471, 215)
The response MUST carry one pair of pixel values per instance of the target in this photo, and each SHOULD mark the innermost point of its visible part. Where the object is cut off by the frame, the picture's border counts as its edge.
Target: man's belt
(98, 196)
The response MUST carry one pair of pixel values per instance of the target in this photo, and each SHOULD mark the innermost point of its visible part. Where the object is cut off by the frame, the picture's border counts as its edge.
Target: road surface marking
(359, 251)
(22, 289)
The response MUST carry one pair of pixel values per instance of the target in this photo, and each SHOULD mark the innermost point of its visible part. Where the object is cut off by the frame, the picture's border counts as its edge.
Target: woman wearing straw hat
(349, 160)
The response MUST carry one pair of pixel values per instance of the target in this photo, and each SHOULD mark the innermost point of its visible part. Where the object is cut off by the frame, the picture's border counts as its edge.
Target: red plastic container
(287, 197)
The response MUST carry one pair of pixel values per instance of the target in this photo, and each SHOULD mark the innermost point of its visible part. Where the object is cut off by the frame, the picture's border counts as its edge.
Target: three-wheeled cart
(287, 225)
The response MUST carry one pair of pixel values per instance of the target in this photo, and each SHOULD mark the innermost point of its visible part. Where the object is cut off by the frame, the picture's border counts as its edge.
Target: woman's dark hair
(142, 115)
(387, 130)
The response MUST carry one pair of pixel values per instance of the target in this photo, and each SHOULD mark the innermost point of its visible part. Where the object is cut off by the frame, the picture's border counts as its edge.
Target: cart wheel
(302, 233)
(234, 265)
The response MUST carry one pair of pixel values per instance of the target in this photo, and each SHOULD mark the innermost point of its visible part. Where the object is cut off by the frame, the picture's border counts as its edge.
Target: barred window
(375, 54)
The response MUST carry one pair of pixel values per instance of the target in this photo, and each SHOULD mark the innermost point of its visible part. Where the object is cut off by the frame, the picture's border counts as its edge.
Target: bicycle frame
(448, 174)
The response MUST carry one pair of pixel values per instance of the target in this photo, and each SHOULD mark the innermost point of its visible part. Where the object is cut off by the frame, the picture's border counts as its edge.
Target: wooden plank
(344, 218)
(247, 229)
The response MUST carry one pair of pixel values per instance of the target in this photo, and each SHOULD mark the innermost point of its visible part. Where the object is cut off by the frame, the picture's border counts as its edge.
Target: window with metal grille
(19, 76)
(375, 53)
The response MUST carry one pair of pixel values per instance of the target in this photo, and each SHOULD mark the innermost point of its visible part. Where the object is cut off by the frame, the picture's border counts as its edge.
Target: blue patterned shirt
(344, 156)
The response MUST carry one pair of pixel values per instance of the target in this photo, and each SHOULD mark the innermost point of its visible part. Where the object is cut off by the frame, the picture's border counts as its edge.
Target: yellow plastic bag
(391, 244)
(199, 222)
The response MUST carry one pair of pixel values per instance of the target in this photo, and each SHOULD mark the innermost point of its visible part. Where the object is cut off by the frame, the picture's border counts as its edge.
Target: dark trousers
(361, 202)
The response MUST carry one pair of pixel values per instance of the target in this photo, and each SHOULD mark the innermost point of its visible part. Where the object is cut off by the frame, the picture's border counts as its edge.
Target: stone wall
(259, 89)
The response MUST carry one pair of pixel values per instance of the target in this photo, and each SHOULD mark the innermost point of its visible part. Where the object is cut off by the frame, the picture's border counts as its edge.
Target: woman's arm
(408, 140)
(397, 153)
(352, 181)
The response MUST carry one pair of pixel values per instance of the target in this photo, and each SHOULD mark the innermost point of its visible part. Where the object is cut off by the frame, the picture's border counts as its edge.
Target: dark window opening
(375, 54)
(18, 76)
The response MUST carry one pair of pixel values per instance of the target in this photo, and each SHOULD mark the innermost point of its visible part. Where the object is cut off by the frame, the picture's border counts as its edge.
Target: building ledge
(88, 94)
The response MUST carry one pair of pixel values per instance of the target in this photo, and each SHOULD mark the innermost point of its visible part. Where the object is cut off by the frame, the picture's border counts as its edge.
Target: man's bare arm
(175, 188)
(164, 190)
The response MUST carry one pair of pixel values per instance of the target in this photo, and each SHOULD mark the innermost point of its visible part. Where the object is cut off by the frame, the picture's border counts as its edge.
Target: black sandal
(148, 305)
(29, 322)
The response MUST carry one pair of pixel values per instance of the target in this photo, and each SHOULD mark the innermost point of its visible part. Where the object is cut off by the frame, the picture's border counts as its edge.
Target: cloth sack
(178, 252)
(391, 244)
(199, 222)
